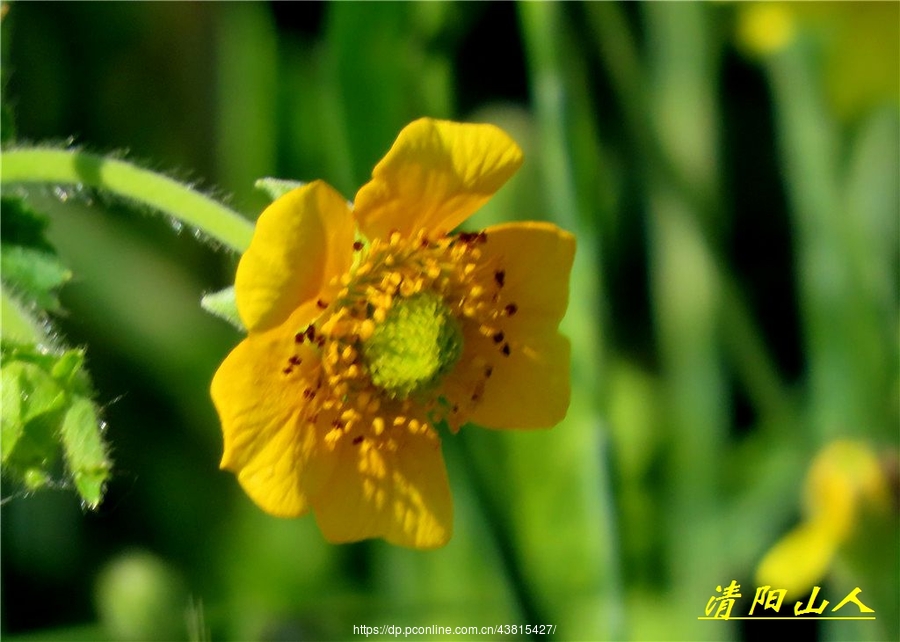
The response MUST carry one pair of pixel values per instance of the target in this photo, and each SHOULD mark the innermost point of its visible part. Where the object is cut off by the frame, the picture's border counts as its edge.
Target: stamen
(392, 330)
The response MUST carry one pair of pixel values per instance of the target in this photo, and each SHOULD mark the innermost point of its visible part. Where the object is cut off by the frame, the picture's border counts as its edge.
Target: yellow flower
(355, 350)
(844, 482)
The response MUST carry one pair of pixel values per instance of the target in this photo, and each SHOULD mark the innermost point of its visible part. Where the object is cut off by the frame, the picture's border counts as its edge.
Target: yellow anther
(366, 328)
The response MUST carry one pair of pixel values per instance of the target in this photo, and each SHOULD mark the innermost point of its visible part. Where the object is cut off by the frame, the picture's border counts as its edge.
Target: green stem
(498, 523)
(557, 74)
(68, 167)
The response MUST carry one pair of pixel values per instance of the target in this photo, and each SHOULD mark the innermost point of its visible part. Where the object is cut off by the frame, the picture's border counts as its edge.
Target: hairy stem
(71, 167)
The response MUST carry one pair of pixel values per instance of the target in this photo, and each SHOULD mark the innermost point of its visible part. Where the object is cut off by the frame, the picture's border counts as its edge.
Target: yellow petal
(529, 388)
(845, 477)
(394, 488)
(437, 174)
(536, 261)
(799, 560)
(301, 241)
(272, 451)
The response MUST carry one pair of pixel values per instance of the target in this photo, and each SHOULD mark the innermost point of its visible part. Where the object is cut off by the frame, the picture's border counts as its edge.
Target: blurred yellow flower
(845, 480)
(355, 350)
(858, 43)
(765, 27)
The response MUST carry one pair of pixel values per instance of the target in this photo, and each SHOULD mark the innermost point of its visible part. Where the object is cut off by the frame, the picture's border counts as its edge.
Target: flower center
(390, 336)
(417, 343)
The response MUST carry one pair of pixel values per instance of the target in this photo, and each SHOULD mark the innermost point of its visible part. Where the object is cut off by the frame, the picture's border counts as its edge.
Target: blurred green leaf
(34, 273)
(223, 305)
(28, 263)
(22, 224)
(275, 188)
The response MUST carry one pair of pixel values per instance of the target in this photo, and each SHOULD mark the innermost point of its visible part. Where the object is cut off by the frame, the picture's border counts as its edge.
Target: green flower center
(418, 342)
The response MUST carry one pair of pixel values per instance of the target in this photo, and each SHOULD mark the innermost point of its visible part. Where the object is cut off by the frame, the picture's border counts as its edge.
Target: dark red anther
(498, 337)
(288, 370)
(311, 333)
(511, 309)
(298, 338)
(357, 245)
(488, 371)
(505, 350)
(295, 360)
(500, 277)
(358, 440)
(321, 304)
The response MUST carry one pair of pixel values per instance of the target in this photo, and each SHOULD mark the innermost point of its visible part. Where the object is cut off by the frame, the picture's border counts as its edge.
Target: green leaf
(84, 450)
(40, 394)
(275, 188)
(22, 225)
(34, 274)
(28, 262)
(11, 427)
(223, 305)
(46, 413)
(31, 401)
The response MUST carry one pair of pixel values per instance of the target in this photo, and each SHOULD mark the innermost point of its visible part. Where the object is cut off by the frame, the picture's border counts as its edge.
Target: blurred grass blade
(588, 534)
